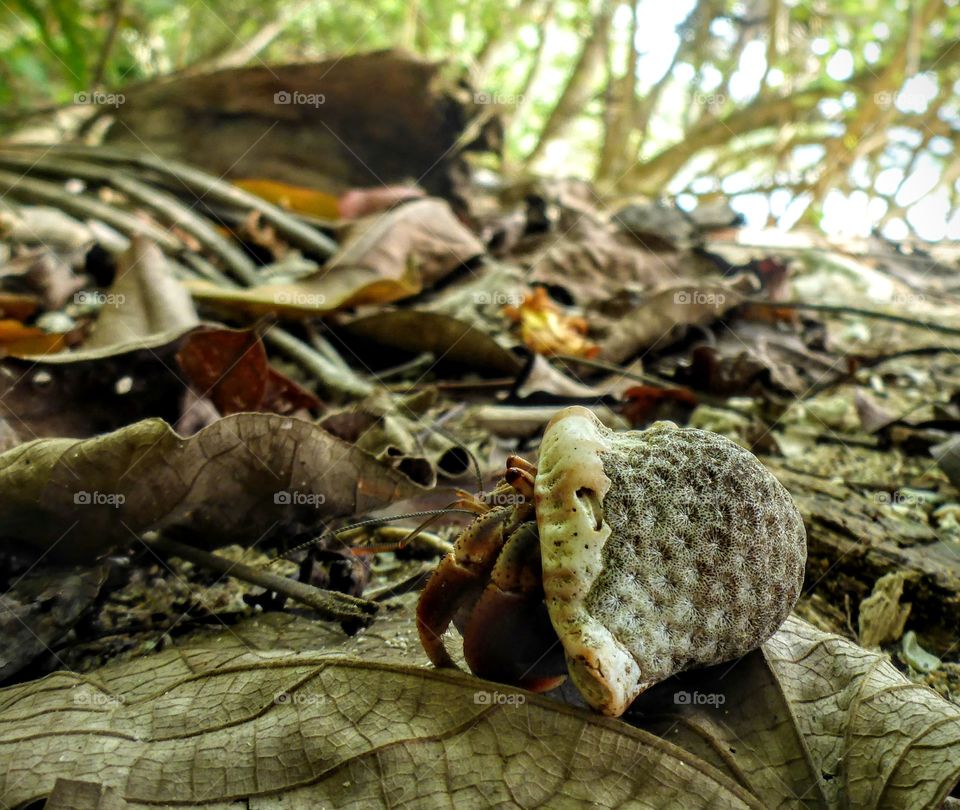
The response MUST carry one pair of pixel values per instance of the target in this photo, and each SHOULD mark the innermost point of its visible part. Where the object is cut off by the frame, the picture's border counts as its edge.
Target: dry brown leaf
(231, 367)
(232, 482)
(18, 339)
(288, 711)
(546, 329)
(654, 321)
(449, 339)
(145, 308)
(383, 259)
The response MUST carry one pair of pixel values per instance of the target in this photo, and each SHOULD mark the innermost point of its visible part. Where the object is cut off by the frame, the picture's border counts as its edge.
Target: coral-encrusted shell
(662, 549)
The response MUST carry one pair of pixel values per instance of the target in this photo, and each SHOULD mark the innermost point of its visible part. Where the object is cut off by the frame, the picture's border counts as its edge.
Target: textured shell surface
(662, 549)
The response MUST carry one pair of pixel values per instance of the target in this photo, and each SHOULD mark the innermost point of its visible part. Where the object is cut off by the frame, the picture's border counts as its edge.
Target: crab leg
(459, 578)
(509, 637)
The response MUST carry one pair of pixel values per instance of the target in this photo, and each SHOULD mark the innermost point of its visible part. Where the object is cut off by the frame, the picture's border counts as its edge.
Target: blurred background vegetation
(841, 114)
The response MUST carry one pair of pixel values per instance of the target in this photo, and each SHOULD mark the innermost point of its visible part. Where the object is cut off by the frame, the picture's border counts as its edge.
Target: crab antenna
(432, 513)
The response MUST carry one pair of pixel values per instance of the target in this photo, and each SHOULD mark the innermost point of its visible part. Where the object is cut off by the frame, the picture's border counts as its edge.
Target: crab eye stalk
(660, 550)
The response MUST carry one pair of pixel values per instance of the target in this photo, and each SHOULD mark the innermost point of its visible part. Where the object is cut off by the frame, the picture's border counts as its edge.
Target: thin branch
(330, 605)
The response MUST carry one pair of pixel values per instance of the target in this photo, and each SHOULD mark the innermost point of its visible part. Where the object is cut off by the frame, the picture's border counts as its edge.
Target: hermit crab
(619, 560)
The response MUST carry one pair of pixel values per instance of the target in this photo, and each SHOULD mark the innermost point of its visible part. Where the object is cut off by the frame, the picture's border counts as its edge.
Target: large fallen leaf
(204, 727)
(384, 258)
(814, 720)
(232, 482)
(289, 712)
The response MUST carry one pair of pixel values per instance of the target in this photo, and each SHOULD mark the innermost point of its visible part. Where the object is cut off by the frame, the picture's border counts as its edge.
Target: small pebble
(56, 322)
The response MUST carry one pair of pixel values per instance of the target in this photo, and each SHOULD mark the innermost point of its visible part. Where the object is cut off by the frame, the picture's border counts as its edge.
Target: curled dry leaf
(283, 710)
(654, 321)
(146, 307)
(449, 339)
(384, 258)
(232, 482)
(546, 329)
(230, 366)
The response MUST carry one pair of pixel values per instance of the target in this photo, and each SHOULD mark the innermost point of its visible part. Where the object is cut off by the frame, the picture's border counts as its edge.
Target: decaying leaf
(646, 404)
(449, 339)
(232, 482)
(40, 608)
(230, 366)
(281, 710)
(383, 259)
(655, 320)
(80, 399)
(146, 307)
(546, 329)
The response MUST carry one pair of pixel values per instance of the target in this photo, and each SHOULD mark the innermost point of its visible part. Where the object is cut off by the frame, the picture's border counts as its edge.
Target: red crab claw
(458, 581)
(509, 637)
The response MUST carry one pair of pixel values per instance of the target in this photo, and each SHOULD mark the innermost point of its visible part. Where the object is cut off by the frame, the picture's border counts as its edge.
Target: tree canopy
(842, 114)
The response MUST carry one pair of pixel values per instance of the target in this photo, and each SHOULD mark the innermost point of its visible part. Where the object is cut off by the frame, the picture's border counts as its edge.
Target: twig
(201, 267)
(162, 203)
(425, 540)
(116, 14)
(201, 184)
(33, 190)
(331, 376)
(409, 583)
(325, 347)
(840, 309)
(330, 605)
(653, 380)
